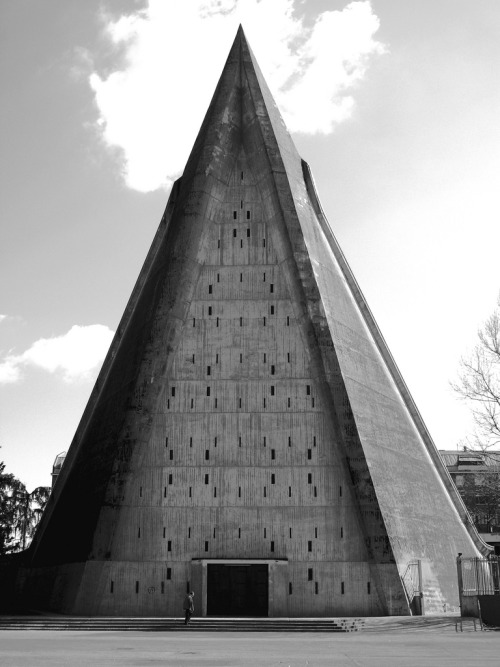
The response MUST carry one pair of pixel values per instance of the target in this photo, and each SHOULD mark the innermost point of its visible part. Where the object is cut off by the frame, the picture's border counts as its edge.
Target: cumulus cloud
(75, 354)
(152, 108)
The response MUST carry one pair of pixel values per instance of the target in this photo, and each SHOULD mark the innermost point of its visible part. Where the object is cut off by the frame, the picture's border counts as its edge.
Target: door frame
(199, 576)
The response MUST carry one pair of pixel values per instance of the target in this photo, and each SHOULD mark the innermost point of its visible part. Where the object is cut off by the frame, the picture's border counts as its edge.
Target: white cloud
(174, 52)
(75, 354)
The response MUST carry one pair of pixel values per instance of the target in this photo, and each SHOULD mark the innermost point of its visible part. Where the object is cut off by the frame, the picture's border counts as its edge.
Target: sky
(395, 105)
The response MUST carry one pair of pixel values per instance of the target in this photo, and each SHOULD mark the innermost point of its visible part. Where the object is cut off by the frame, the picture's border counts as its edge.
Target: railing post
(460, 581)
(420, 587)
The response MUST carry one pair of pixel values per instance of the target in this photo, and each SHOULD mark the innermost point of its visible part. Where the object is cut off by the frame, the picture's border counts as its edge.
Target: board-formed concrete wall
(246, 411)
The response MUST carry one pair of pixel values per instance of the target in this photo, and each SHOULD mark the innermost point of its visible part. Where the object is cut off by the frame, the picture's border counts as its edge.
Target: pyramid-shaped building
(249, 436)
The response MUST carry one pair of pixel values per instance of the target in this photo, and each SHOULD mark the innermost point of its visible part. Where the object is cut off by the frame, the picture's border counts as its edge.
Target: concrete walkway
(432, 647)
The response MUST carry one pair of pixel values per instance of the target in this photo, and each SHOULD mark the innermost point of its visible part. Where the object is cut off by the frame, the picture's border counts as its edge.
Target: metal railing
(479, 576)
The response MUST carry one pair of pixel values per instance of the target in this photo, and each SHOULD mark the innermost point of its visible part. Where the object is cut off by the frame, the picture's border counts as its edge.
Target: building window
(310, 574)
(169, 573)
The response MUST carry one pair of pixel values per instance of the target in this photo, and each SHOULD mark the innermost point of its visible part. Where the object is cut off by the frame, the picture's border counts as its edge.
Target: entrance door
(237, 590)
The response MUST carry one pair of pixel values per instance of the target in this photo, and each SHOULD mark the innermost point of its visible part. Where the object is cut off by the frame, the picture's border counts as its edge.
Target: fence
(479, 576)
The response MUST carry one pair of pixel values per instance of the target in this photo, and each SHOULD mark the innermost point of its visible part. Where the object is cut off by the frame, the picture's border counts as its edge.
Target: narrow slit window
(265, 358)
(310, 545)
(309, 454)
(316, 587)
(112, 585)
(189, 533)
(164, 532)
(241, 175)
(288, 357)
(136, 586)
(168, 404)
(368, 588)
(209, 311)
(215, 492)
(240, 403)
(264, 402)
(340, 491)
(341, 532)
(217, 323)
(309, 478)
(272, 545)
(207, 454)
(218, 243)
(169, 545)
(215, 441)
(264, 278)
(206, 479)
(263, 243)
(273, 454)
(241, 203)
(216, 358)
(164, 491)
(239, 441)
(190, 493)
(290, 533)
(272, 390)
(234, 233)
(241, 243)
(314, 445)
(191, 442)
(287, 320)
(308, 389)
(215, 403)
(140, 491)
(173, 392)
(272, 370)
(290, 588)
(209, 370)
(210, 289)
(169, 573)
(194, 321)
(272, 310)
(265, 492)
(342, 588)
(239, 492)
(312, 402)
(206, 546)
(218, 277)
(310, 574)
(241, 321)
(289, 402)
(171, 454)
(315, 491)
(273, 479)
(248, 231)
(166, 441)
(289, 440)
(170, 478)
(235, 215)
(241, 358)
(241, 277)
(192, 359)
(248, 218)
(163, 587)
(290, 493)
(208, 391)
(271, 288)
(264, 533)
(264, 441)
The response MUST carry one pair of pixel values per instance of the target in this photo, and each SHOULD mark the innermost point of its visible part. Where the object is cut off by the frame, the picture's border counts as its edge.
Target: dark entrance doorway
(237, 590)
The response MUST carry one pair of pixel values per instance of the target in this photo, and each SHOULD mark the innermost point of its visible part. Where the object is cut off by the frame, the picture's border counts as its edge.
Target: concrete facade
(248, 410)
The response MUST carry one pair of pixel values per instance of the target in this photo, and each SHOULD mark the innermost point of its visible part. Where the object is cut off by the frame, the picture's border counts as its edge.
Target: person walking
(188, 607)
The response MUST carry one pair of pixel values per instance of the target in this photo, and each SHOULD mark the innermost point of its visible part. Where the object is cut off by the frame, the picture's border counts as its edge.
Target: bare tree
(479, 384)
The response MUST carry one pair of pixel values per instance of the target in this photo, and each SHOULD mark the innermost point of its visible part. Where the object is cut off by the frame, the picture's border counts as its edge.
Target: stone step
(176, 624)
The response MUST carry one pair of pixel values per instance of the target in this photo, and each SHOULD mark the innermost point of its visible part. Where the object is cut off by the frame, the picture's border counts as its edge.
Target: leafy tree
(20, 512)
(479, 384)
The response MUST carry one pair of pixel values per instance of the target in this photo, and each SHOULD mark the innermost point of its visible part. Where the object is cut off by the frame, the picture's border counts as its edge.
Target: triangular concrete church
(249, 436)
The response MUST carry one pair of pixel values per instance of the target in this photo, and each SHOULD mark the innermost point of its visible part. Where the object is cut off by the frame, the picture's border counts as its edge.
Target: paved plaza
(437, 647)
